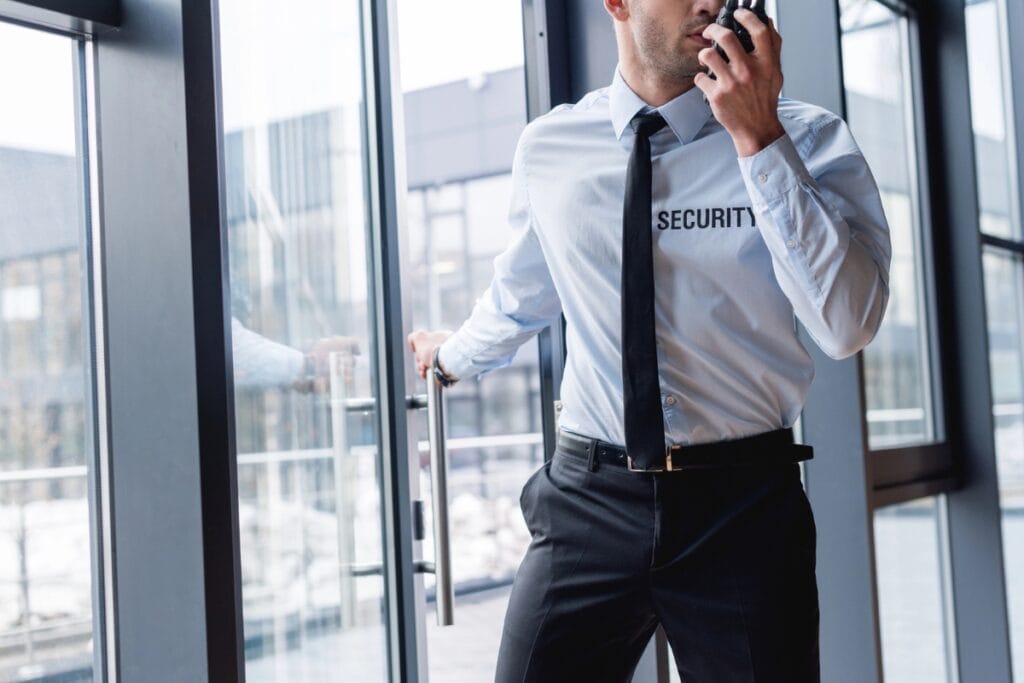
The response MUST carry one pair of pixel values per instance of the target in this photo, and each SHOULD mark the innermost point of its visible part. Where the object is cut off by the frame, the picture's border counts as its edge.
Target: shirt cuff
(772, 172)
(453, 360)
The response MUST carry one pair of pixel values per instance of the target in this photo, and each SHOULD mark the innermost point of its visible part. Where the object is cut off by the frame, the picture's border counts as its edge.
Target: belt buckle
(667, 468)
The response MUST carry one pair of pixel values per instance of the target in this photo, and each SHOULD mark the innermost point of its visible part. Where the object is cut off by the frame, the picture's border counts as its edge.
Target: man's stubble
(664, 50)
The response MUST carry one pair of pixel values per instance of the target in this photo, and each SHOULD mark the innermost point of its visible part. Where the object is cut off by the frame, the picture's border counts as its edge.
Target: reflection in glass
(463, 118)
(880, 112)
(911, 574)
(46, 453)
(306, 405)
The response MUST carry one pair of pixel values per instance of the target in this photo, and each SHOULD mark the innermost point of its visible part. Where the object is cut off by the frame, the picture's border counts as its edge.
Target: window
(1004, 294)
(1003, 263)
(879, 49)
(881, 112)
(48, 621)
(910, 560)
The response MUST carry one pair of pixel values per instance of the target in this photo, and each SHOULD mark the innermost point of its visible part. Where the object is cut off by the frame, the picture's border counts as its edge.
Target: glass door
(303, 320)
(337, 534)
(463, 92)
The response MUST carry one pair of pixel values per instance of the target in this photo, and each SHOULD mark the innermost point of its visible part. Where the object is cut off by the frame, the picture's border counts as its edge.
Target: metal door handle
(444, 595)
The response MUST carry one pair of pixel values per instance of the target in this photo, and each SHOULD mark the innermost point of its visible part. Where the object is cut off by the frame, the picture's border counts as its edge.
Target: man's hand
(745, 97)
(319, 354)
(315, 376)
(423, 343)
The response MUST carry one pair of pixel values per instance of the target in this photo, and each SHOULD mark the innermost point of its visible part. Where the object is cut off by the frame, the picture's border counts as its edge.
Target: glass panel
(985, 59)
(1004, 296)
(880, 105)
(46, 450)
(463, 118)
(911, 573)
(306, 391)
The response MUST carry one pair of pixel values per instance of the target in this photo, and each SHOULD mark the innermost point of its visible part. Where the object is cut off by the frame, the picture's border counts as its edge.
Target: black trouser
(723, 558)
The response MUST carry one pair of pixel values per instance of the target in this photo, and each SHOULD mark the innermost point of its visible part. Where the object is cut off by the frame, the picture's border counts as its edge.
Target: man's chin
(689, 67)
(686, 72)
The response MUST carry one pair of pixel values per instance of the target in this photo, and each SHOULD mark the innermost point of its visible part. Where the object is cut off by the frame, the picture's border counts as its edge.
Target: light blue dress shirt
(261, 362)
(740, 246)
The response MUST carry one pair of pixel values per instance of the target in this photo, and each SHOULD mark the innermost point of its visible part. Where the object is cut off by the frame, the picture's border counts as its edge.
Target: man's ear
(617, 9)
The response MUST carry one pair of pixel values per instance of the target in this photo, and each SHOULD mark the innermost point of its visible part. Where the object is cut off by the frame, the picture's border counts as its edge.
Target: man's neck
(650, 86)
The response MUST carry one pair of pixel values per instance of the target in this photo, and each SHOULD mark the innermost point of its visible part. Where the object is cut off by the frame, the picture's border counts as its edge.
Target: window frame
(65, 16)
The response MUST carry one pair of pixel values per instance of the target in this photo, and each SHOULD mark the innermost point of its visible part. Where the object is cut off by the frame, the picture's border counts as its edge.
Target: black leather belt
(769, 448)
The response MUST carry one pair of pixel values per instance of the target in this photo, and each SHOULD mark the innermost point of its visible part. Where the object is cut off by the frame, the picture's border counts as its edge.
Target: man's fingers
(760, 34)
(775, 35)
(414, 339)
(709, 57)
(706, 84)
(727, 40)
(777, 46)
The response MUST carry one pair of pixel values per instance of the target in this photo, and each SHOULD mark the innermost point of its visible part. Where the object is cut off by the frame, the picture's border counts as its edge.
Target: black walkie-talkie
(726, 19)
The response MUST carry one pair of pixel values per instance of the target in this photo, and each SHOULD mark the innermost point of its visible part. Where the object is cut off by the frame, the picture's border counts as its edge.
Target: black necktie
(645, 429)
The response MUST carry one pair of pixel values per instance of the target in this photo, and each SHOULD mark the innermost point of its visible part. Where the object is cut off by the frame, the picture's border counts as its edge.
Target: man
(679, 236)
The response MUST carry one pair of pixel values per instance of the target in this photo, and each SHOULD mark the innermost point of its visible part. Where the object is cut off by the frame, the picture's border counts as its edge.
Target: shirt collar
(685, 114)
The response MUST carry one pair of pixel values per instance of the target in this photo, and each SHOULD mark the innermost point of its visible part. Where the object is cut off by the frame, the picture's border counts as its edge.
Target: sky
(37, 110)
(276, 65)
(469, 37)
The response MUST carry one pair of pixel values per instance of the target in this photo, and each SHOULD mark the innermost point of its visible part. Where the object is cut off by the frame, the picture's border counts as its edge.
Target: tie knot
(647, 124)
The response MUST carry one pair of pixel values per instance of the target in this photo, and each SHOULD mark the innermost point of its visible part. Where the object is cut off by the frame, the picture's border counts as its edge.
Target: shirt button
(763, 177)
(671, 400)
(791, 244)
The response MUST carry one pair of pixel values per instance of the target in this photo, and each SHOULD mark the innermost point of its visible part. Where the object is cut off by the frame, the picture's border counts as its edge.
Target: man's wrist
(443, 376)
(750, 144)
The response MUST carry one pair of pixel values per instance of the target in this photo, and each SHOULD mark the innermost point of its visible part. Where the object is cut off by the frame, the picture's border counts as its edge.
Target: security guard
(678, 222)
